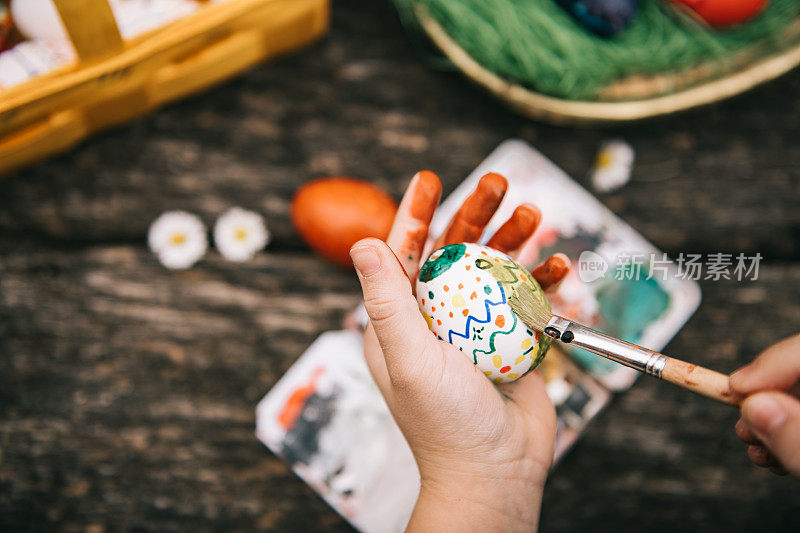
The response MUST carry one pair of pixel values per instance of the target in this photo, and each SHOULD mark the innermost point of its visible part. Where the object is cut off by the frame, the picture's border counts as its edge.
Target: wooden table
(127, 391)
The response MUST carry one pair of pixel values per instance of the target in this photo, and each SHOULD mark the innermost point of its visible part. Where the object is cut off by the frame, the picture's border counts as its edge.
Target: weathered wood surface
(127, 392)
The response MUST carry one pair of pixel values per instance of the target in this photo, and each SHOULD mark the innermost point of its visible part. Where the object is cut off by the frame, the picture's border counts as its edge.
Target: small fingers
(552, 272)
(774, 418)
(777, 368)
(761, 456)
(517, 229)
(410, 228)
(744, 433)
(475, 213)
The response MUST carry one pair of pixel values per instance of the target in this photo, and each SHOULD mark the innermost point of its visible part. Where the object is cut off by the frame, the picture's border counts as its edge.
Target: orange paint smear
(471, 219)
(517, 229)
(551, 271)
(297, 400)
(427, 191)
(413, 243)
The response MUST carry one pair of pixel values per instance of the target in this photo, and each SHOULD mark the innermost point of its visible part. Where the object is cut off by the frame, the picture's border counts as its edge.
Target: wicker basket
(114, 81)
(633, 98)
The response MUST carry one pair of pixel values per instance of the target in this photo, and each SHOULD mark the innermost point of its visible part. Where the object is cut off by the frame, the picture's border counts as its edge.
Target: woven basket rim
(707, 90)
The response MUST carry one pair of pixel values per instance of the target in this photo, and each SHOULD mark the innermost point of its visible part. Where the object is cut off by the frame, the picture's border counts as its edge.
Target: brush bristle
(529, 309)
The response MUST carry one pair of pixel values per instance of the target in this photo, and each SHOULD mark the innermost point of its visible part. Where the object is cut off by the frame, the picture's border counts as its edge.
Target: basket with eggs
(79, 66)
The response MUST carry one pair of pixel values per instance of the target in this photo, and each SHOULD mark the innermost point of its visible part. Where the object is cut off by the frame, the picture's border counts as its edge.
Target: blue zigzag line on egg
(470, 318)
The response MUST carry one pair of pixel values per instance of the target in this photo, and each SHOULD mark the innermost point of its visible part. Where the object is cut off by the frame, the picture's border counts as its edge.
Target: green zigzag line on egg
(492, 348)
(498, 274)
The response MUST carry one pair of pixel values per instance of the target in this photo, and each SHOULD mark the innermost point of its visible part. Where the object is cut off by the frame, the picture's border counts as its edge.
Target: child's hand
(483, 451)
(770, 421)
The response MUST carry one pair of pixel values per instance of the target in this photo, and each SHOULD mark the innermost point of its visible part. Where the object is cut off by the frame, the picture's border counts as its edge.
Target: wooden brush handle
(700, 380)
(695, 378)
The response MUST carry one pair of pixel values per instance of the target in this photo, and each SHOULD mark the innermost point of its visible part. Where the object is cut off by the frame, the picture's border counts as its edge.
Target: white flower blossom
(178, 239)
(612, 167)
(239, 234)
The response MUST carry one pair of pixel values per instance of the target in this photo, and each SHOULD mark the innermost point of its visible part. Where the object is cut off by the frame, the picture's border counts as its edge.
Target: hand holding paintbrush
(689, 376)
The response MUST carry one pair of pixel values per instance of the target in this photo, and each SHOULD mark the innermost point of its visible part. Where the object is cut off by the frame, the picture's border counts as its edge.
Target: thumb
(399, 326)
(775, 419)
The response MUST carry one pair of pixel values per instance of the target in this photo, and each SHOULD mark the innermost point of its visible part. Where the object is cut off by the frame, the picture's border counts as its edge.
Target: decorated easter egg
(332, 214)
(463, 292)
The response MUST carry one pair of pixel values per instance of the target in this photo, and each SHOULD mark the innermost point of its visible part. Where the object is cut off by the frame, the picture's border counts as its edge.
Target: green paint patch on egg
(463, 292)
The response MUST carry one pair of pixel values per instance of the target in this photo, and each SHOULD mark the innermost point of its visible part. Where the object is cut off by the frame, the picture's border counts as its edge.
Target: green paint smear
(627, 307)
(433, 268)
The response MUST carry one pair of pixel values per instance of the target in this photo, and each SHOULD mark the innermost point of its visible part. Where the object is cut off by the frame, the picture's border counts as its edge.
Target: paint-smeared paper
(327, 419)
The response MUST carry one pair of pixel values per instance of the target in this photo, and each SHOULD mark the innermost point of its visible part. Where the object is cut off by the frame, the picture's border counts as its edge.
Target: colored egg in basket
(463, 291)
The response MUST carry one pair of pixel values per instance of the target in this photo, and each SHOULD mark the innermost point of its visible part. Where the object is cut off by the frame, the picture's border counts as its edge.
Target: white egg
(38, 19)
(462, 291)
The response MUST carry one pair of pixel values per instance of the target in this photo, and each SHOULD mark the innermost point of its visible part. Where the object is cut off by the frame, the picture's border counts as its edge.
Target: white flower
(612, 167)
(239, 234)
(178, 239)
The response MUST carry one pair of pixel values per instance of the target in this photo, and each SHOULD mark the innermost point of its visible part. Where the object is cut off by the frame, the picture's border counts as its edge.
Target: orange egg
(332, 214)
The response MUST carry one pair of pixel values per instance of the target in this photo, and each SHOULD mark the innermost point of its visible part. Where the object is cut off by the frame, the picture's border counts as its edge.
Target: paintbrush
(693, 377)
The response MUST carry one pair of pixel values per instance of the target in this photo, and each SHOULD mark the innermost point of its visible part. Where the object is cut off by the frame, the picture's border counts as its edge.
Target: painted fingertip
(426, 195)
(494, 183)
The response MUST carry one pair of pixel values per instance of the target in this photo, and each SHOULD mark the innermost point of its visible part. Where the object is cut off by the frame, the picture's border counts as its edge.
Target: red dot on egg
(500, 321)
(473, 295)
(505, 369)
(446, 288)
(469, 266)
(433, 309)
(439, 322)
(451, 314)
(465, 312)
(460, 285)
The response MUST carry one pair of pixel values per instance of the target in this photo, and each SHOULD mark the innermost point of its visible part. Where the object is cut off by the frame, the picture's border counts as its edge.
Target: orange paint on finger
(412, 245)
(427, 191)
(517, 229)
(552, 271)
(476, 211)
(416, 211)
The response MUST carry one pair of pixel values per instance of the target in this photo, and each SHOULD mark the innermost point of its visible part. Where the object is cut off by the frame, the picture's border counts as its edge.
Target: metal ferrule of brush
(622, 352)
